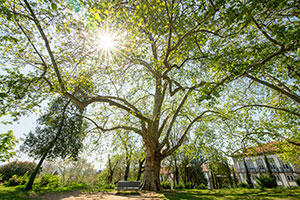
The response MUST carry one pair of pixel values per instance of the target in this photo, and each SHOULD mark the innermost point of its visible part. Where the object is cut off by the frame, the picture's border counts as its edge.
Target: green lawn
(17, 193)
(13, 193)
(239, 193)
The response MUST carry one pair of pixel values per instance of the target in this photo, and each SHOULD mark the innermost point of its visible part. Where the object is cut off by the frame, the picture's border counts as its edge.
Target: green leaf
(54, 6)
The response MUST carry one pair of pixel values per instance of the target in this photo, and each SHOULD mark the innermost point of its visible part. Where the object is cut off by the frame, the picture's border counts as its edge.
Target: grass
(18, 193)
(238, 193)
(14, 193)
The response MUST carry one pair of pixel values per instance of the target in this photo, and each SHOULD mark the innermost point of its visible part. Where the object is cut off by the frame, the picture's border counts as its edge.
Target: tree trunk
(127, 168)
(34, 173)
(152, 170)
(111, 171)
(176, 172)
(268, 167)
(140, 170)
(248, 176)
(59, 131)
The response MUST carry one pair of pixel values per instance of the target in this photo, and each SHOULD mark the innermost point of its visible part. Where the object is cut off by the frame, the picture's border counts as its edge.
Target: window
(260, 165)
(272, 164)
(250, 166)
(277, 177)
(290, 177)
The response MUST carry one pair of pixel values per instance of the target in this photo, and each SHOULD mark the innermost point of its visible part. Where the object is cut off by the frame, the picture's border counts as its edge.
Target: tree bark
(140, 170)
(152, 170)
(127, 168)
(176, 172)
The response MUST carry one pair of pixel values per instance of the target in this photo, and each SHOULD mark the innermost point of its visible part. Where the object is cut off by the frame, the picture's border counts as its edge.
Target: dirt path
(77, 195)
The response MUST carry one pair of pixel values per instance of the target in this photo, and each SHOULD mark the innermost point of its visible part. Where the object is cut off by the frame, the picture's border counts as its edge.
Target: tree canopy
(169, 65)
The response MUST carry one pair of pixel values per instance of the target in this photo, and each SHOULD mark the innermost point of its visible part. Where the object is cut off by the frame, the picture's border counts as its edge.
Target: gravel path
(77, 195)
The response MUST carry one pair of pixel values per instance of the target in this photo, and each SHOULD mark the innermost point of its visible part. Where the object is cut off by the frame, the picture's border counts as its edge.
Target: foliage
(202, 186)
(243, 185)
(79, 171)
(266, 181)
(16, 180)
(63, 131)
(7, 144)
(166, 184)
(297, 180)
(18, 168)
(49, 180)
(180, 186)
(173, 61)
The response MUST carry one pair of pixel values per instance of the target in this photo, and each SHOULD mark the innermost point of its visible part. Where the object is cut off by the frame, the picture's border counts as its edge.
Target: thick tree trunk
(152, 170)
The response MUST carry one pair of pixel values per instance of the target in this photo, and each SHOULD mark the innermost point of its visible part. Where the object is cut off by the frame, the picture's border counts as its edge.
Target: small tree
(59, 134)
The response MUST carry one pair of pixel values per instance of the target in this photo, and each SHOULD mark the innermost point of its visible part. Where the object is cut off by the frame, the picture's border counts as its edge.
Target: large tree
(170, 62)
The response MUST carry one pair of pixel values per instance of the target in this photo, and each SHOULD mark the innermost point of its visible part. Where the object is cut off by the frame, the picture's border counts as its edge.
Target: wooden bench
(128, 185)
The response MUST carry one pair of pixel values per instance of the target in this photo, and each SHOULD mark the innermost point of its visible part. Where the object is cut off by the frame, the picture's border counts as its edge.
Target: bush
(16, 168)
(15, 180)
(166, 184)
(298, 181)
(202, 186)
(48, 180)
(243, 185)
(266, 182)
(180, 186)
(188, 185)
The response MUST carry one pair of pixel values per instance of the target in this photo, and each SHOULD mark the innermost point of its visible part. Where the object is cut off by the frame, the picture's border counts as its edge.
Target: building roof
(268, 148)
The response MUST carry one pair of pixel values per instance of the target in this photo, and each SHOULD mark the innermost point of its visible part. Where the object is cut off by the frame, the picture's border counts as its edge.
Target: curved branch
(136, 130)
(128, 108)
(168, 152)
(293, 96)
(277, 135)
(47, 44)
(267, 106)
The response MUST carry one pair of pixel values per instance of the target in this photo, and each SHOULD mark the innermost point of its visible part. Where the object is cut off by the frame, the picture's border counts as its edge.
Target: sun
(107, 42)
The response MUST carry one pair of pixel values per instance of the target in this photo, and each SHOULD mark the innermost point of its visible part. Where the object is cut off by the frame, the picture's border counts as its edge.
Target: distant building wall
(285, 173)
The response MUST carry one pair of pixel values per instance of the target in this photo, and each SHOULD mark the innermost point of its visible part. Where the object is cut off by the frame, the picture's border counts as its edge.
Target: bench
(128, 185)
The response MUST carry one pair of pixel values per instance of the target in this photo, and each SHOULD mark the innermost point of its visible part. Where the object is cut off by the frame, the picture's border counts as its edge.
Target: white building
(285, 173)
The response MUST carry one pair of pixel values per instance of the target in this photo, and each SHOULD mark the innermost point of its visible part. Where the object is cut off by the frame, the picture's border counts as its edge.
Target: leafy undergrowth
(238, 193)
(19, 192)
(14, 193)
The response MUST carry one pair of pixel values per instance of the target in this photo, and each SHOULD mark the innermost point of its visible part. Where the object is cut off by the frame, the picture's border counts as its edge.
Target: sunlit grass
(239, 193)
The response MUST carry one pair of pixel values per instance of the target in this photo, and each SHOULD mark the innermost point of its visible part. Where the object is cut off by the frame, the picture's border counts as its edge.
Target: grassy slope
(239, 193)
(13, 193)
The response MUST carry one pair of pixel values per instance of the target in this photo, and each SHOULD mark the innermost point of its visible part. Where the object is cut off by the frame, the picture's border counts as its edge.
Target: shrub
(298, 181)
(188, 185)
(180, 186)
(166, 184)
(202, 186)
(108, 186)
(48, 180)
(15, 180)
(16, 168)
(266, 182)
(243, 185)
